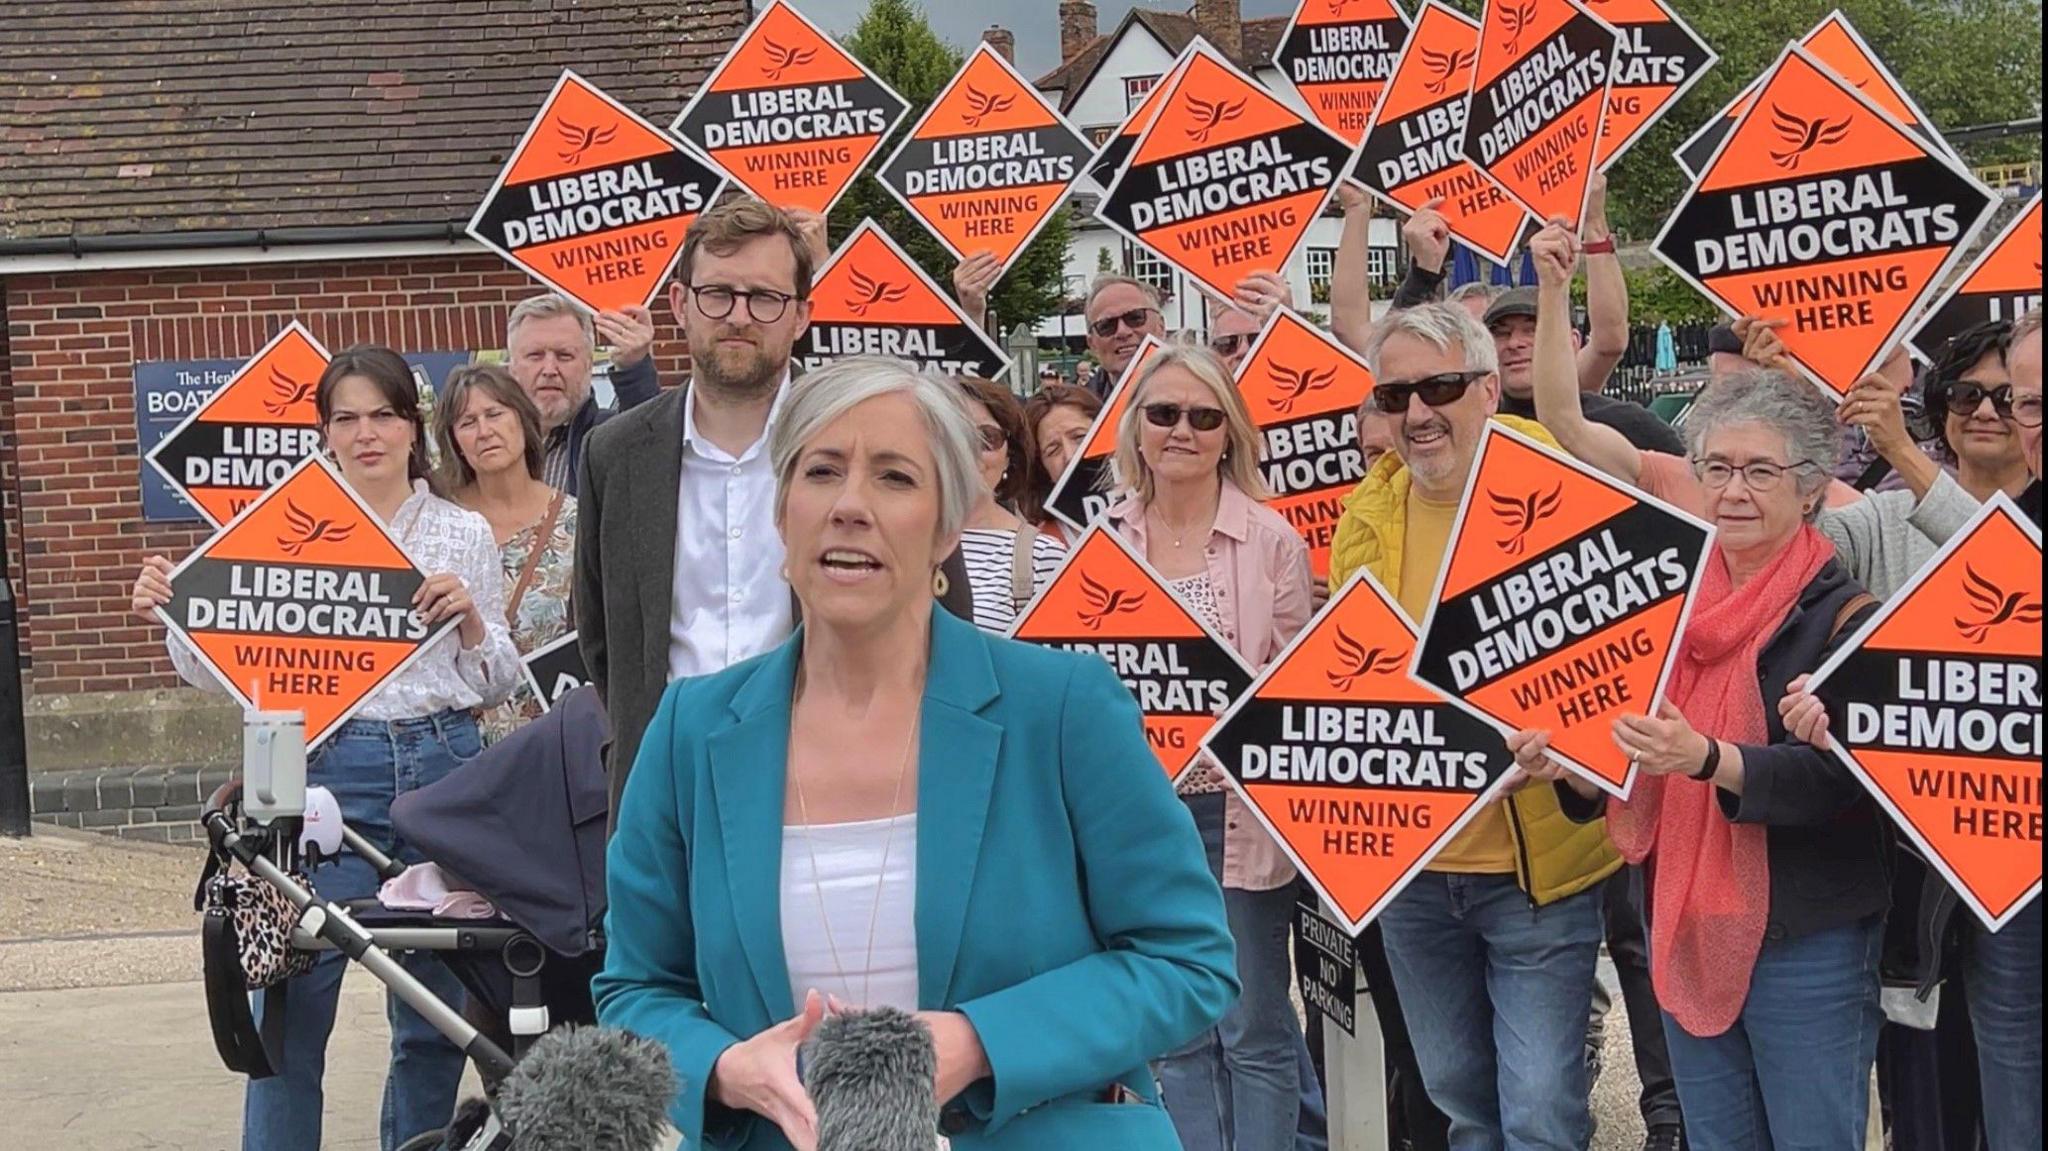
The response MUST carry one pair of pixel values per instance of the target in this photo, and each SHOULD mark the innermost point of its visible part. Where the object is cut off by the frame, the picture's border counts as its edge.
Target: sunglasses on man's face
(1134, 319)
(1167, 415)
(1436, 391)
(1228, 346)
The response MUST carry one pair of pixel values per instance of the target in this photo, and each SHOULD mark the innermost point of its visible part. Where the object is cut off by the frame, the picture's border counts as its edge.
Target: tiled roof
(1175, 30)
(166, 116)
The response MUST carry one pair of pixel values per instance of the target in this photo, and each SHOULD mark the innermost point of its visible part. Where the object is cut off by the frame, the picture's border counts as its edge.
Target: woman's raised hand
(152, 587)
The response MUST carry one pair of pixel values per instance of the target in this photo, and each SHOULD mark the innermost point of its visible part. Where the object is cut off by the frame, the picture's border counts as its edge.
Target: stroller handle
(225, 794)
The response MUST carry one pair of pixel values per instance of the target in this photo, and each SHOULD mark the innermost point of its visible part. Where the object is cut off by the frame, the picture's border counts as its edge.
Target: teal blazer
(1064, 904)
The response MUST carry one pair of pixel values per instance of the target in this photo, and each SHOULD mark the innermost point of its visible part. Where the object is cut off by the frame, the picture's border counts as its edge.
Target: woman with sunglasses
(412, 731)
(1190, 455)
(1056, 423)
(1767, 876)
(1008, 560)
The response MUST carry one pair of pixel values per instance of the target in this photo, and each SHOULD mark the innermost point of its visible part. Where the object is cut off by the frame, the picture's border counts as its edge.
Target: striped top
(989, 553)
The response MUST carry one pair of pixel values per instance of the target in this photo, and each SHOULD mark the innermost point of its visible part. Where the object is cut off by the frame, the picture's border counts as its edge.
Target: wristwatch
(1713, 764)
(1604, 246)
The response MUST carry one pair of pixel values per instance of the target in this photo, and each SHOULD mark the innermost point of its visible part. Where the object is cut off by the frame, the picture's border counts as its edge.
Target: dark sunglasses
(1963, 398)
(1167, 415)
(1134, 319)
(1436, 391)
(1228, 346)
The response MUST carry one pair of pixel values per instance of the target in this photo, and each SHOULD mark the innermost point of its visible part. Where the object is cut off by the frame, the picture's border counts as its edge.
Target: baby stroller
(522, 824)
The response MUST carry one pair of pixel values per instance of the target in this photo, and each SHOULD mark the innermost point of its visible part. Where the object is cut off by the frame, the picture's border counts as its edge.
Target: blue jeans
(1495, 992)
(1238, 1085)
(366, 764)
(2002, 980)
(1793, 1073)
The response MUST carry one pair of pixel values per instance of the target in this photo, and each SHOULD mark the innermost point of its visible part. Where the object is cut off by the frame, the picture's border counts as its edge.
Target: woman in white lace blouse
(411, 732)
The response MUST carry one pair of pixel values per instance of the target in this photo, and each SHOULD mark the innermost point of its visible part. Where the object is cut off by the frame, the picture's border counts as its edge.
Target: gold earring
(940, 584)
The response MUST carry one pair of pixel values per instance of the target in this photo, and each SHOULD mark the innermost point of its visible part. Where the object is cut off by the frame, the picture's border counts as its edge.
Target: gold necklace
(1179, 537)
(803, 811)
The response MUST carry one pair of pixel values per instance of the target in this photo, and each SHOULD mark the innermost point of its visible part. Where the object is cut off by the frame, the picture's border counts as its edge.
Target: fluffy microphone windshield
(869, 1073)
(589, 1089)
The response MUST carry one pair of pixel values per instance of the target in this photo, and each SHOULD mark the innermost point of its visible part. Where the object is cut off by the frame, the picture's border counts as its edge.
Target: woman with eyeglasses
(1766, 865)
(1008, 559)
(1189, 454)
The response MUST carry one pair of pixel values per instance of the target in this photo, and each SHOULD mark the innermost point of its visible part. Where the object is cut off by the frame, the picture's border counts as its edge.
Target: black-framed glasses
(716, 302)
(1167, 415)
(1963, 398)
(1436, 391)
(993, 438)
(1228, 346)
(1757, 476)
(1134, 319)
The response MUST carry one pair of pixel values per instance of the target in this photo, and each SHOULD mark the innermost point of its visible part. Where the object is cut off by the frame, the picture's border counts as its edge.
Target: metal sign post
(1355, 1068)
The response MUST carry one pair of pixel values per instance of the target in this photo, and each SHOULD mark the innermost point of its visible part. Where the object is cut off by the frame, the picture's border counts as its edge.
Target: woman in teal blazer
(1067, 928)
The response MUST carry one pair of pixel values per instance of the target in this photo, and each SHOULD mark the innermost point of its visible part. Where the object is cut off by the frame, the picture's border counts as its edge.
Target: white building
(1102, 78)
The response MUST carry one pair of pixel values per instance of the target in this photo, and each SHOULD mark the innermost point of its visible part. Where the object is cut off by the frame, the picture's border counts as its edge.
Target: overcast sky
(1035, 22)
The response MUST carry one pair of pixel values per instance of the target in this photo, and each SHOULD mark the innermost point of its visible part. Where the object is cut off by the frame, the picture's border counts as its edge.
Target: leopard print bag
(257, 919)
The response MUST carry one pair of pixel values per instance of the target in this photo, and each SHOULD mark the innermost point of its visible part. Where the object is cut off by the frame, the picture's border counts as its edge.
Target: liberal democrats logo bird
(1996, 605)
(1295, 384)
(576, 141)
(985, 105)
(782, 59)
(1443, 66)
(1804, 135)
(307, 531)
(1211, 115)
(1361, 661)
(871, 293)
(1522, 515)
(1105, 602)
(286, 393)
(1516, 19)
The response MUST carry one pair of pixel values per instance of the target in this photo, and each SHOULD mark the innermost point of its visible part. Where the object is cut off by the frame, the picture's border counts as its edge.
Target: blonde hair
(1241, 451)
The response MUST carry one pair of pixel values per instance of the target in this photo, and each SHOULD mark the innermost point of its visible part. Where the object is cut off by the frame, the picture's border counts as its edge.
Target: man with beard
(549, 344)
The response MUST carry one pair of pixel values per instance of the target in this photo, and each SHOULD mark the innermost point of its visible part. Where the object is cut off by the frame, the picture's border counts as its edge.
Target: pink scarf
(1709, 889)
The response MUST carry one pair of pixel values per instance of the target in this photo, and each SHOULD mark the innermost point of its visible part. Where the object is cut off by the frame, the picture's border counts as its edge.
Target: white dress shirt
(730, 601)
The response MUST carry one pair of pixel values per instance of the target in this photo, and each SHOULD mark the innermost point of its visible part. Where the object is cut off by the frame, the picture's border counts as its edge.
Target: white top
(989, 554)
(730, 601)
(440, 537)
(833, 906)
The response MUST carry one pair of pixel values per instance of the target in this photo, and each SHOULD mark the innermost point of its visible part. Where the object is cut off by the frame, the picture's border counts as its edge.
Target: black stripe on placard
(1167, 676)
(299, 601)
(1550, 81)
(1943, 703)
(953, 349)
(1414, 147)
(1226, 178)
(582, 205)
(1658, 55)
(952, 165)
(235, 455)
(1360, 746)
(777, 115)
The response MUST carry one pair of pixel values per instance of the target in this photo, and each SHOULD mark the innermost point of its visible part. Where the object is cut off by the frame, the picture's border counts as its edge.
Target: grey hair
(1108, 280)
(2028, 324)
(1783, 403)
(1444, 326)
(547, 306)
(1476, 290)
(818, 399)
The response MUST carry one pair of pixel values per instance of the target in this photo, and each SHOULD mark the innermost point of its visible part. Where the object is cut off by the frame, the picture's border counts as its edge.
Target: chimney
(1078, 27)
(1221, 22)
(999, 38)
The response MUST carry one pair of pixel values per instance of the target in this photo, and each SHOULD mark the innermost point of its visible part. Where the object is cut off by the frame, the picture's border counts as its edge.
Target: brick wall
(68, 451)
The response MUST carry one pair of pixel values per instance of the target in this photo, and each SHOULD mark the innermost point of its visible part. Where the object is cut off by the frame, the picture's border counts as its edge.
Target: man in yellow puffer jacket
(1493, 947)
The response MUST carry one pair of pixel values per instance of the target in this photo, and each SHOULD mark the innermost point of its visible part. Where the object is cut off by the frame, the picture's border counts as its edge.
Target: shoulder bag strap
(540, 547)
(1856, 603)
(1021, 583)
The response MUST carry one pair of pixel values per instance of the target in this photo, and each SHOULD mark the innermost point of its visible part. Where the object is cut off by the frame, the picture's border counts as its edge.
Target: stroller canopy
(524, 823)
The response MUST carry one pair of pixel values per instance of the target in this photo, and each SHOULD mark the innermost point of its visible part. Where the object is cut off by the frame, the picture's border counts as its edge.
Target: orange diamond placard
(1115, 151)
(790, 115)
(1841, 50)
(2004, 284)
(303, 602)
(1822, 210)
(872, 299)
(1410, 154)
(1106, 600)
(1078, 496)
(1561, 602)
(1539, 102)
(1661, 58)
(988, 164)
(1339, 55)
(251, 432)
(1226, 180)
(1359, 772)
(1935, 706)
(595, 200)
(1303, 389)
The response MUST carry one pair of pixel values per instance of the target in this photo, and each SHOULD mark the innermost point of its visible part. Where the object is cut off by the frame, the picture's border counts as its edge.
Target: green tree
(898, 44)
(1965, 62)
